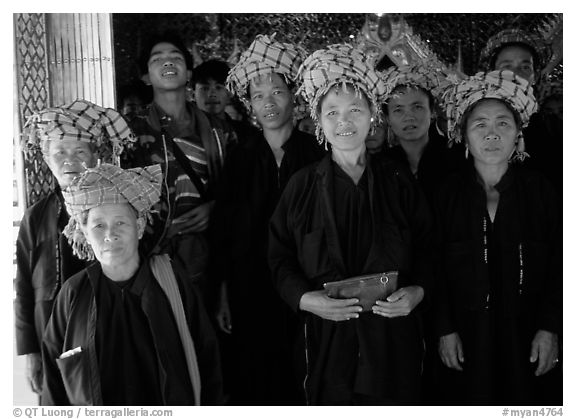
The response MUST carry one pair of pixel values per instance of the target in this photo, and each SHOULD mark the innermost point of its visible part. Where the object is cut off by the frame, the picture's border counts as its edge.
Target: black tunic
(372, 356)
(437, 161)
(500, 282)
(126, 353)
(261, 367)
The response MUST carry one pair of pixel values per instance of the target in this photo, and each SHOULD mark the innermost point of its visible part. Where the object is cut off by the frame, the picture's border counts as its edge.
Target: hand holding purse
(367, 288)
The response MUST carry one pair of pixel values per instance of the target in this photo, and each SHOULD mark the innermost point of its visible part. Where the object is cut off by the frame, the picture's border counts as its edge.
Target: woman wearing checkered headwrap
(527, 55)
(499, 304)
(260, 327)
(126, 330)
(345, 216)
(69, 138)
(410, 110)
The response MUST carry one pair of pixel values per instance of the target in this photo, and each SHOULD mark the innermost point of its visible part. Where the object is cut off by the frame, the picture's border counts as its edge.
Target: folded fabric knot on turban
(264, 56)
(80, 120)
(432, 79)
(503, 85)
(339, 64)
(109, 184)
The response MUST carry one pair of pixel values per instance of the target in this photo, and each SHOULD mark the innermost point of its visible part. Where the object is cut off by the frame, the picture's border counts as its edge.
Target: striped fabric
(109, 184)
(264, 56)
(181, 189)
(503, 85)
(162, 270)
(80, 120)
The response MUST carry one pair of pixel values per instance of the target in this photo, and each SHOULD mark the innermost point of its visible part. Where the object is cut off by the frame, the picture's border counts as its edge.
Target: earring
(520, 152)
(466, 152)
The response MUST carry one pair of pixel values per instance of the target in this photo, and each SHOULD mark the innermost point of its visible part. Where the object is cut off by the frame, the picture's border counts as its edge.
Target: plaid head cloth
(503, 85)
(109, 184)
(80, 120)
(431, 79)
(339, 64)
(514, 36)
(264, 56)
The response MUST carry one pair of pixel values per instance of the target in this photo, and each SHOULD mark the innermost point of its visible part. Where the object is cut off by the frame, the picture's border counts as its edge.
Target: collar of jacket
(143, 273)
(507, 180)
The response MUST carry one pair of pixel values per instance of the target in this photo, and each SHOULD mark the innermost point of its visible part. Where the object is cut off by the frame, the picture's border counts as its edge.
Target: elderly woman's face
(491, 132)
(345, 118)
(113, 231)
(67, 159)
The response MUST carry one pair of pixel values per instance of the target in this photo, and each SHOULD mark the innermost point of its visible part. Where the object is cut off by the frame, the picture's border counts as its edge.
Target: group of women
(475, 239)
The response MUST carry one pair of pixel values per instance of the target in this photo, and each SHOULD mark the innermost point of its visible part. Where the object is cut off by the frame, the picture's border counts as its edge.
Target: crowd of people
(183, 257)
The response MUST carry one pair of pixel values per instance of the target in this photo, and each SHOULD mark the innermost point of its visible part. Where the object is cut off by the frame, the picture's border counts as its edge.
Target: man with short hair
(177, 134)
(527, 55)
(260, 324)
(211, 95)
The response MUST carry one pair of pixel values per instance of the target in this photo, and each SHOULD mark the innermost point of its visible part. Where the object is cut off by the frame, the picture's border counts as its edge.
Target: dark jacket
(499, 283)
(528, 228)
(76, 380)
(155, 130)
(436, 162)
(44, 261)
(262, 323)
(304, 253)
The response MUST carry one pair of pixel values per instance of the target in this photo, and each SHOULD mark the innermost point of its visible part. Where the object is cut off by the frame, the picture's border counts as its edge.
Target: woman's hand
(399, 303)
(451, 352)
(545, 351)
(318, 303)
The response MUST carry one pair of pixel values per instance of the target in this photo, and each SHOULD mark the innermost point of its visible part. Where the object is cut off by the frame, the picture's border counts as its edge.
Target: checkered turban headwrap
(431, 79)
(109, 184)
(339, 64)
(503, 85)
(514, 36)
(80, 120)
(264, 56)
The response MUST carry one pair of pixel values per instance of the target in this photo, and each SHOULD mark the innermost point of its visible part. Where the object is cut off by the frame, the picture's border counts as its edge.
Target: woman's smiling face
(345, 118)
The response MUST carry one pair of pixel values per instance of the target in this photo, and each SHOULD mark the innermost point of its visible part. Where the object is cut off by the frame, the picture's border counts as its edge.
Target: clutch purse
(367, 288)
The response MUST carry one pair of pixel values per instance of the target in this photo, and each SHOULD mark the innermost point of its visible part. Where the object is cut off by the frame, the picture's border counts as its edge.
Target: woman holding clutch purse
(500, 303)
(345, 216)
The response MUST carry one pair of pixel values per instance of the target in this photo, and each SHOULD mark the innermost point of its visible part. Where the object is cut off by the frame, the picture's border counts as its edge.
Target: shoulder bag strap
(164, 274)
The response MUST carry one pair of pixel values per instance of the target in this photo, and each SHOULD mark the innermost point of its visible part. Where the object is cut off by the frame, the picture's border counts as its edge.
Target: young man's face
(211, 96)
(167, 68)
(517, 59)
